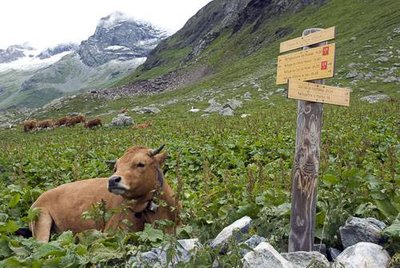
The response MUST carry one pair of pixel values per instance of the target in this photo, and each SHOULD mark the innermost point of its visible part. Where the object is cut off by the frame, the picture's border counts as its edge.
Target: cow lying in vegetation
(137, 192)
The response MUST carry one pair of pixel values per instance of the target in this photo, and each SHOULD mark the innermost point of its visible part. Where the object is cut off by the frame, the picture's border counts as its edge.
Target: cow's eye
(140, 164)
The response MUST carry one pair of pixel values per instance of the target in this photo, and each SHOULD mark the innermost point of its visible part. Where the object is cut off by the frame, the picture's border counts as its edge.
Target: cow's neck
(149, 202)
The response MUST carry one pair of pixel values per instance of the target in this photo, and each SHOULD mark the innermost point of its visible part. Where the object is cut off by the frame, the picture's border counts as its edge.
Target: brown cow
(76, 120)
(29, 125)
(61, 121)
(142, 126)
(137, 192)
(93, 123)
(44, 124)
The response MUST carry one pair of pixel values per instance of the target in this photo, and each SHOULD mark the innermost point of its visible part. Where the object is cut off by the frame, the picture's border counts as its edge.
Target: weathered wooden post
(305, 171)
(315, 61)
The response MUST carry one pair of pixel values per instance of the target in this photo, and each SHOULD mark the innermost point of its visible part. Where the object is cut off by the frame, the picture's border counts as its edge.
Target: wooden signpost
(296, 68)
(313, 38)
(318, 93)
(315, 63)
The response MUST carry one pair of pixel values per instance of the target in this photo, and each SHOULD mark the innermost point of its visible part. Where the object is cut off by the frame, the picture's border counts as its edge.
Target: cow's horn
(156, 151)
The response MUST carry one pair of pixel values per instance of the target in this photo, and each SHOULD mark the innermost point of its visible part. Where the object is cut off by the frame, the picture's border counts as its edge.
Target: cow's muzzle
(114, 185)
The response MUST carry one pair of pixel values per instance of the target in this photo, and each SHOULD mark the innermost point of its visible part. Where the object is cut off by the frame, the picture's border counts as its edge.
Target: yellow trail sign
(318, 93)
(314, 38)
(310, 64)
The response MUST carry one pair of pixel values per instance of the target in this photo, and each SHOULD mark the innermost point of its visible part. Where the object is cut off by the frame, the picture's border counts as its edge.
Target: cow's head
(137, 173)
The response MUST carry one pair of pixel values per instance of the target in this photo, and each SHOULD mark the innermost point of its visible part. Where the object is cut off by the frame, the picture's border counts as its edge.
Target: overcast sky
(46, 23)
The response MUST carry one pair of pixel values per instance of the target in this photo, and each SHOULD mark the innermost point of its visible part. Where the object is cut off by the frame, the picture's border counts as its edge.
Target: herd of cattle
(69, 121)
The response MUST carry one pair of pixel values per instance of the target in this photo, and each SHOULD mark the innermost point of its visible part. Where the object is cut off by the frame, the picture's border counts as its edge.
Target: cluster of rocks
(146, 110)
(386, 67)
(361, 239)
(226, 109)
(375, 98)
(122, 120)
(169, 81)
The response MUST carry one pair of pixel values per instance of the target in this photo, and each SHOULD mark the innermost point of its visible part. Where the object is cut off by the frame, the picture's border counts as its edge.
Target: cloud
(45, 23)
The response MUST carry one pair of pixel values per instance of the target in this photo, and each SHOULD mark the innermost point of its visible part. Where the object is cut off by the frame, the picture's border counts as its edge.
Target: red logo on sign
(324, 65)
(325, 51)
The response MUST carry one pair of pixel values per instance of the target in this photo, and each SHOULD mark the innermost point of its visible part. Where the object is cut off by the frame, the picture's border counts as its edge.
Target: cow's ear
(112, 164)
(161, 157)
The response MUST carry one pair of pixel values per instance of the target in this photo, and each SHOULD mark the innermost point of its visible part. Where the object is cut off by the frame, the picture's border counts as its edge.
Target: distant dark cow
(30, 125)
(61, 121)
(76, 120)
(93, 123)
(142, 126)
(137, 193)
(44, 124)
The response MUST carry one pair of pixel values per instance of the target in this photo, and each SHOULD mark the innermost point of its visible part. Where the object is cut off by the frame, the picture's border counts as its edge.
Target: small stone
(333, 253)
(122, 120)
(242, 224)
(363, 254)
(252, 242)
(247, 96)
(382, 59)
(264, 255)
(227, 111)
(361, 230)
(301, 259)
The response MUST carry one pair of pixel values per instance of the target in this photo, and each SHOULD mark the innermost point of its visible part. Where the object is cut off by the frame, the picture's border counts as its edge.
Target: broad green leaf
(330, 179)
(12, 262)
(9, 227)
(5, 251)
(393, 230)
(386, 208)
(48, 249)
(14, 200)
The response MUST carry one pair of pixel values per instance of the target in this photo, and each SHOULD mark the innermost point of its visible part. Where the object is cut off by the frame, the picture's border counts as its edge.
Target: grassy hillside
(228, 166)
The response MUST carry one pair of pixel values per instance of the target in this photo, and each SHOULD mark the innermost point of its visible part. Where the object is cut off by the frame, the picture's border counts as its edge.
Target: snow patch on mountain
(31, 62)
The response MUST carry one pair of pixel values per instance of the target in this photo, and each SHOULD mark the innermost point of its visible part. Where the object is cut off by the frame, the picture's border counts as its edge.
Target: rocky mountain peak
(13, 53)
(57, 50)
(119, 37)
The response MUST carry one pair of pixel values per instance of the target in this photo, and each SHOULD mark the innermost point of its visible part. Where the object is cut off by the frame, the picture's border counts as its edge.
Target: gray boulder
(227, 111)
(264, 255)
(363, 254)
(214, 106)
(361, 230)
(301, 259)
(352, 74)
(247, 96)
(375, 98)
(333, 253)
(280, 90)
(382, 59)
(233, 103)
(122, 120)
(157, 257)
(252, 242)
(222, 239)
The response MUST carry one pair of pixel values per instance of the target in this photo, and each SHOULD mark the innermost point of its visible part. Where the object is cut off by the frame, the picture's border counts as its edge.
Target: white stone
(242, 224)
(264, 255)
(363, 254)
